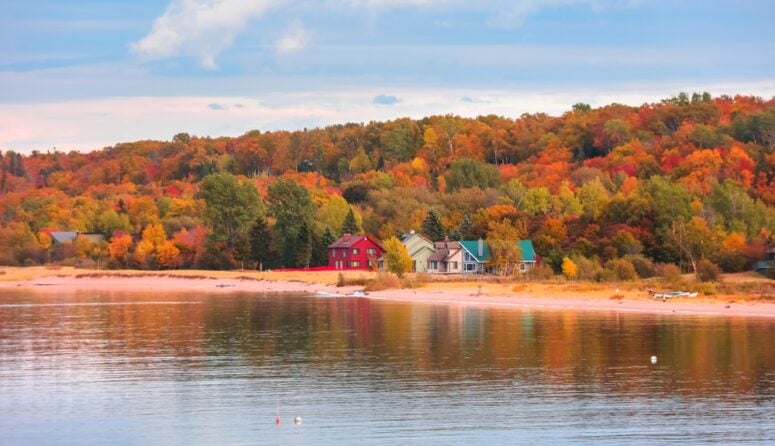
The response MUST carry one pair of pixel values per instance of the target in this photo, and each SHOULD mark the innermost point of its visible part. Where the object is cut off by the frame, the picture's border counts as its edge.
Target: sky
(86, 74)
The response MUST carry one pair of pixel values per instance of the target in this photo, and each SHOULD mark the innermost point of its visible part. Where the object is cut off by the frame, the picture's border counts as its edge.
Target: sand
(582, 297)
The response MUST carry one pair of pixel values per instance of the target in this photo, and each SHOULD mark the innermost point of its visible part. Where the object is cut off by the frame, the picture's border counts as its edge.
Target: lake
(180, 369)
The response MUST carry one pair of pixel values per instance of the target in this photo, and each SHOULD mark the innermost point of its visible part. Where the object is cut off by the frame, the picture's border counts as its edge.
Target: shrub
(383, 281)
(621, 269)
(588, 269)
(668, 271)
(540, 272)
(643, 266)
(708, 271)
(411, 281)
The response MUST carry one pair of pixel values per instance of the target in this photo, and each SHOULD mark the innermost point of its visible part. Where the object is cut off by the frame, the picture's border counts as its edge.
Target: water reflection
(205, 369)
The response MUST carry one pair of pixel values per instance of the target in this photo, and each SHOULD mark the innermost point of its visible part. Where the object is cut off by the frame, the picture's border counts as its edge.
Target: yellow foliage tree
(569, 268)
(119, 247)
(396, 257)
(167, 255)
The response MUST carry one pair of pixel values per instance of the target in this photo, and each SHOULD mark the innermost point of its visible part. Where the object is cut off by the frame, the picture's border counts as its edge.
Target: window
(454, 265)
(433, 265)
(414, 265)
(344, 253)
(356, 251)
(371, 251)
(371, 264)
(333, 253)
(355, 264)
(470, 266)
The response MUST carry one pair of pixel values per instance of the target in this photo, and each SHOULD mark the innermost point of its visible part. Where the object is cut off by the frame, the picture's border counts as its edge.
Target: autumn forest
(621, 190)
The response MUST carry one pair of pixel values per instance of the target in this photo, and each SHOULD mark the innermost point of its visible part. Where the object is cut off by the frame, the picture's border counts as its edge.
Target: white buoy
(653, 359)
(297, 421)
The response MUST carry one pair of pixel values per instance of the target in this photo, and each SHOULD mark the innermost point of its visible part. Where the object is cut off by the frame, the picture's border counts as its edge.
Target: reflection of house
(419, 249)
(354, 252)
(447, 258)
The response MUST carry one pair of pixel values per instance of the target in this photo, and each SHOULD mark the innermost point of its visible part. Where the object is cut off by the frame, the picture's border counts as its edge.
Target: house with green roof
(476, 256)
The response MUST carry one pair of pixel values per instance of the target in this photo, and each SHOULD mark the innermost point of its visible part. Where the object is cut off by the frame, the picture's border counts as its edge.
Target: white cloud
(93, 124)
(199, 28)
(296, 38)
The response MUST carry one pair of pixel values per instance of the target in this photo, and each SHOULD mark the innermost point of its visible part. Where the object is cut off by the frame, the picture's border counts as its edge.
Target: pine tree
(261, 249)
(350, 225)
(321, 250)
(432, 227)
(304, 246)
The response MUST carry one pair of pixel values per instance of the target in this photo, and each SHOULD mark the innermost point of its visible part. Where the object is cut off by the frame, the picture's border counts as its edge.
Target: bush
(668, 271)
(643, 266)
(541, 271)
(708, 271)
(383, 281)
(411, 281)
(621, 269)
(588, 269)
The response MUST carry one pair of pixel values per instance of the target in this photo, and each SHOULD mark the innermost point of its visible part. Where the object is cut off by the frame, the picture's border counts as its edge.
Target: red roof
(348, 240)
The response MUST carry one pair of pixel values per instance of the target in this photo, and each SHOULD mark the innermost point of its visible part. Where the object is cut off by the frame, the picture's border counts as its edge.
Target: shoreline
(543, 297)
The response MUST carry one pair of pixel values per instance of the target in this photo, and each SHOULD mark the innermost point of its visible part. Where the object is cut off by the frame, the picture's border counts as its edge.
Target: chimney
(346, 234)
(480, 247)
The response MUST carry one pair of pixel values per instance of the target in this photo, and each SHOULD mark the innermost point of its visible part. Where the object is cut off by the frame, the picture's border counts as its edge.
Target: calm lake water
(181, 369)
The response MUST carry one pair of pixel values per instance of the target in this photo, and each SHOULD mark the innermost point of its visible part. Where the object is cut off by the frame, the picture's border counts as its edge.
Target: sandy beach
(534, 296)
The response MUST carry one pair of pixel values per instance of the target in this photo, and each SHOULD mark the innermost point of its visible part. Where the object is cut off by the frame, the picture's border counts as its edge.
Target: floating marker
(277, 420)
(297, 421)
(653, 359)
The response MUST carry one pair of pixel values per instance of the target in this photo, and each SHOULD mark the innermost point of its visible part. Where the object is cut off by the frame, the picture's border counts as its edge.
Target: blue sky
(83, 74)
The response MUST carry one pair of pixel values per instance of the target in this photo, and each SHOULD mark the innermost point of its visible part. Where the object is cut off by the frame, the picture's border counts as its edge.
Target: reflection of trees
(391, 342)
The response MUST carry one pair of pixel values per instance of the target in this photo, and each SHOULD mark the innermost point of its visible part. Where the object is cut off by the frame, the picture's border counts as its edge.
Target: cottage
(446, 259)
(529, 257)
(419, 248)
(476, 256)
(354, 252)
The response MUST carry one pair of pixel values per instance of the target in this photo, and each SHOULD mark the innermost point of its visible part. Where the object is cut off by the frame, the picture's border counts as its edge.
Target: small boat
(673, 295)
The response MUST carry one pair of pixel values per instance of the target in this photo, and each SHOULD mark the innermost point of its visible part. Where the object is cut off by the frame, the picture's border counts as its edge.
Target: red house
(354, 252)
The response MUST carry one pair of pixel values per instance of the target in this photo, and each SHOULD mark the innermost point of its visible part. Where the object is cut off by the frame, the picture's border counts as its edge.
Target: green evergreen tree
(304, 246)
(432, 227)
(350, 225)
(321, 250)
(261, 248)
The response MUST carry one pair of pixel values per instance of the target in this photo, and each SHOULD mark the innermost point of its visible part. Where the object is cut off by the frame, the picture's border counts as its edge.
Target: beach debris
(653, 359)
(224, 285)
(297, 420)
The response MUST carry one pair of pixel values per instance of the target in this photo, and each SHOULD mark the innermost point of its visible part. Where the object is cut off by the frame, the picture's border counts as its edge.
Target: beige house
(419, 248)
(447, 258)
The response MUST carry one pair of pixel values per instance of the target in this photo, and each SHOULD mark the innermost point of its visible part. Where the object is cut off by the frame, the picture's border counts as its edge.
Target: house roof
(349, 240)
(406, 237)
(472, 246)
(528, 253)
(63, 236)
(443, 250)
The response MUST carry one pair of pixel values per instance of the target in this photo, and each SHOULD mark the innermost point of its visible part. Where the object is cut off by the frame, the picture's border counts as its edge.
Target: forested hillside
(616, 188)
